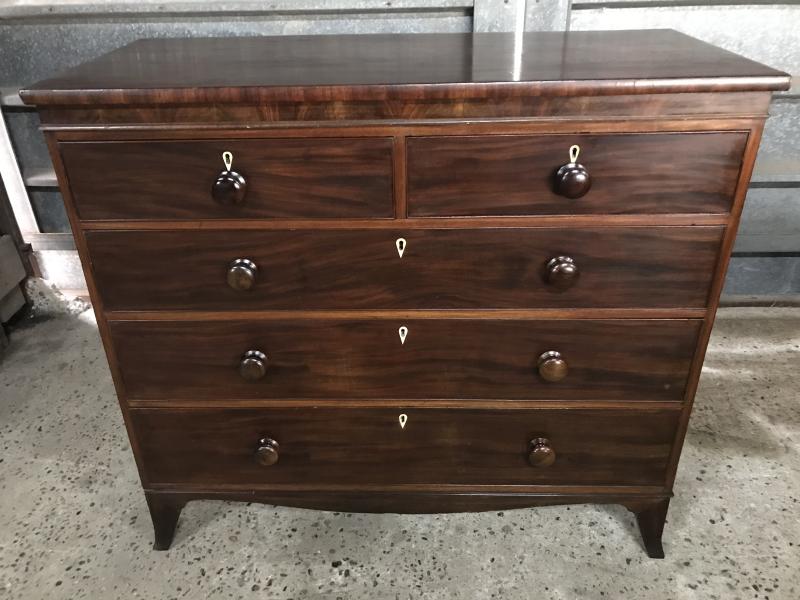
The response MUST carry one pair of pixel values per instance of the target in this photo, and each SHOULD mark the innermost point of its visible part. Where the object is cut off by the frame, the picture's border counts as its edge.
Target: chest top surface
(407, 66)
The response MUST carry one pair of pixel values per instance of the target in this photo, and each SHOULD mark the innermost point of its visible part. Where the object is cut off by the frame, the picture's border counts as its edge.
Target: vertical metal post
(15, 185)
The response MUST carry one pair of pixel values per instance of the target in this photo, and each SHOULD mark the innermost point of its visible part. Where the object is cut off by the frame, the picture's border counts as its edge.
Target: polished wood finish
(253, 365)
(552, 366)
(402, 67)
(631, 173)
(540, 453)
(312, 269)
(562, 272)
(521, 314)
(268, 452)
(309, 178)
(164, 512)
(229, 188)
(572, 180)
(252, 309)
(471, 359)
(349, 447)
(279, 114)
(242, 274)
(640, 220)
(651, 519)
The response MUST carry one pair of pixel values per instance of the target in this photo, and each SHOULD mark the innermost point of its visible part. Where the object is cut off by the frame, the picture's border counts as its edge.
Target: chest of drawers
(412, 273)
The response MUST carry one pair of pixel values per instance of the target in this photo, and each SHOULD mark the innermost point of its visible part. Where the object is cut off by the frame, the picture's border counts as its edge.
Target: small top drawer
(615, 174)
(268, 178)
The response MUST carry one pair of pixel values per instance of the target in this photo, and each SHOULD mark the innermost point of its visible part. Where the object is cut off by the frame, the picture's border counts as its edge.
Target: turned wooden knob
(267, 452)
(229, 188)
(572, 180)
(552, 366)
(253, 365)
(562, 272)
(540, 453)
(242, 274)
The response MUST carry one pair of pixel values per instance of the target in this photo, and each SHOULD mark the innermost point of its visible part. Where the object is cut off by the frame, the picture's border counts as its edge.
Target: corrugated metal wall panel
(779, 156)
(770, 221)
(769, 34)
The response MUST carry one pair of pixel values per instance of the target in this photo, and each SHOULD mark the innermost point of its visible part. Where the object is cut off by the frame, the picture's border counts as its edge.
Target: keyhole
(403, 420)
(403, 332)
(401, 246)
(227, 159)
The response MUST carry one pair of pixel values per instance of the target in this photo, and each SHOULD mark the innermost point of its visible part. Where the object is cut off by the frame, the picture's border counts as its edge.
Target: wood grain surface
(352, 447)
(286, 178)
(402, 67)
(631, 173)
(620, 267)
(298, 114)
(472, 359)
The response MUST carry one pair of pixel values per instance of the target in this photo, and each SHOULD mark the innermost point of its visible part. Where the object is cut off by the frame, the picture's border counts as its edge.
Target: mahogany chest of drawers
(411, 273)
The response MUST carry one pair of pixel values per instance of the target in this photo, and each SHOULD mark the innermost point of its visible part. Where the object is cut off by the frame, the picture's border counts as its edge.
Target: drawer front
(630, 173)
(283, 178)
(447, 358)
(657, 267)
(321, 446)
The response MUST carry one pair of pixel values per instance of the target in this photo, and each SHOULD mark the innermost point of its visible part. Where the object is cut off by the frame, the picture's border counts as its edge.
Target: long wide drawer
(399, 358)
(629, 173)
(280, 178)
(341, 447)
(649, 267)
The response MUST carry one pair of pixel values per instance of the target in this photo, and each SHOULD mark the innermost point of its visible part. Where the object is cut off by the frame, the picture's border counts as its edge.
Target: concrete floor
(73, 521)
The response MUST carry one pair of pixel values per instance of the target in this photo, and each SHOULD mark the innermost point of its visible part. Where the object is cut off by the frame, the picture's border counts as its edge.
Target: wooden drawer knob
(562, 272)
(552, 366)
(572, 180)
(540, 453)
(242, 274)
(230, 187)
(253, 365)
(267, 452)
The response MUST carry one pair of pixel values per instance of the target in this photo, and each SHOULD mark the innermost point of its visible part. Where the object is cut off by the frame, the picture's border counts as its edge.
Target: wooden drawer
(630, 173)
(285, 178)
(342, 447)
(440, 358)
(657, 267)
